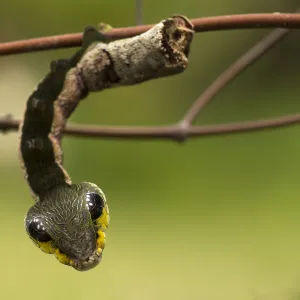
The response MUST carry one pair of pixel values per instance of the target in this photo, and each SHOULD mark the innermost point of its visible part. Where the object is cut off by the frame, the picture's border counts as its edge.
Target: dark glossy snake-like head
(70, 222)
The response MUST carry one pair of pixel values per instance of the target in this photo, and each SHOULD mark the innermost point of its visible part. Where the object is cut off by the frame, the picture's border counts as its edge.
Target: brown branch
(201, 24)
(183, 129)
(247, 59)
(174, 132)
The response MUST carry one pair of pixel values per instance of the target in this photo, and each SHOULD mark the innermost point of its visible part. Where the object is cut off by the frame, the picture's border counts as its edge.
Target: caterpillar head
(70, 222)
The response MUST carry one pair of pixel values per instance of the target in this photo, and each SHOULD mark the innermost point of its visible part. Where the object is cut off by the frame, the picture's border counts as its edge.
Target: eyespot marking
(95, 204)
(38, 232)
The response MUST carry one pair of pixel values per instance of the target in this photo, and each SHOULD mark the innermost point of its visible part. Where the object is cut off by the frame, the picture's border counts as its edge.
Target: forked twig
(183, 129)
(247, 59)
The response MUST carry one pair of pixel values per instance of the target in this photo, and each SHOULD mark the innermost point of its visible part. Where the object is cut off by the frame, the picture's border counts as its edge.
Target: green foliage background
(213, 218)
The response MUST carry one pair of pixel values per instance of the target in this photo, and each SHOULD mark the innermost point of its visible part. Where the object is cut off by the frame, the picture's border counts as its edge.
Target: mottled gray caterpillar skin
(161, 51)
(61, 222)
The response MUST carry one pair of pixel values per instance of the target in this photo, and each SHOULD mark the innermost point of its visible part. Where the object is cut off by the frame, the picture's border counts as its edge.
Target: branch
(269, 20)
(247, 59)
(173, 132)
(182, 130)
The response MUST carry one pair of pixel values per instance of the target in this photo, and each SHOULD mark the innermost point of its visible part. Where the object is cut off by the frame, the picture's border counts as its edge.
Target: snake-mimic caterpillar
(67, 219)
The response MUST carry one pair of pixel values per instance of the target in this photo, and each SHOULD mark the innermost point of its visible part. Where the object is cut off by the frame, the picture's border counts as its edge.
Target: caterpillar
(70, 220)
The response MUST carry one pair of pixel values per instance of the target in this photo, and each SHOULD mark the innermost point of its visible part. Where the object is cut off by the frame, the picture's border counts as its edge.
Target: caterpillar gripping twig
(67, 219)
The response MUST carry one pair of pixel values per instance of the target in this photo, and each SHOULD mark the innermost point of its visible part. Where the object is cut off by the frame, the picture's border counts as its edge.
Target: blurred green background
(213, 218)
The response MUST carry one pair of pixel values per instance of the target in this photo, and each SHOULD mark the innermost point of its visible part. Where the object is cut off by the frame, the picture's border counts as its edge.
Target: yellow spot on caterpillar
(103, 220)
(62, 258)
(46, 247)
(103, 27)
(100, 239)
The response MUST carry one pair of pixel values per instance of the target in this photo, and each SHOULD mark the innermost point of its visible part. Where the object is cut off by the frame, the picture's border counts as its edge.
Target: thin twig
(247, 59)
(179, 132)
(138, 12)
(174, 132)
(201, 24)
